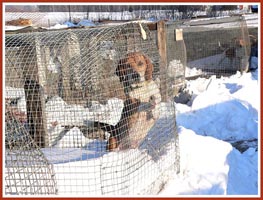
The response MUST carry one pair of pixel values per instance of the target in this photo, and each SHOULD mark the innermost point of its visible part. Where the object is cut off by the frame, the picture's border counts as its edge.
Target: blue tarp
(152, 19)
(86, 22)
(83, 22)
(70, 24)
(254, 6)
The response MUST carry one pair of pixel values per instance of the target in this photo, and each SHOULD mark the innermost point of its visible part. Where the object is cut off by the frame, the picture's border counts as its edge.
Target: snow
(221, 111)
(203, 166)
(251, 21)
(70, 164)
(58, 110)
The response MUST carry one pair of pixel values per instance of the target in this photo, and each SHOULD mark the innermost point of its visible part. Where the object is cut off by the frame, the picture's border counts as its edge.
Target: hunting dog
(135, 73)
(136, 120)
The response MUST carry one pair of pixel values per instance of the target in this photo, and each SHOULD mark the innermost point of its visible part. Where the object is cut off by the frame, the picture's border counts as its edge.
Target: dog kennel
(89, 111)
(217, 46)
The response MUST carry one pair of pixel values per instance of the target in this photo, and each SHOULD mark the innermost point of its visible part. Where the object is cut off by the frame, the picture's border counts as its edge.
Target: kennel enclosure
(63, 88)
(218, 46)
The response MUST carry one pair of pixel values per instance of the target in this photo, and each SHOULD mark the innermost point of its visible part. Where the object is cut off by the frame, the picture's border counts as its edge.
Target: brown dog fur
(20, 22)
(120, 132)
(141, 64)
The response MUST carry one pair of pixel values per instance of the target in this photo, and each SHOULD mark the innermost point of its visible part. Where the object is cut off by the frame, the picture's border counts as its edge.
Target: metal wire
(86, 106)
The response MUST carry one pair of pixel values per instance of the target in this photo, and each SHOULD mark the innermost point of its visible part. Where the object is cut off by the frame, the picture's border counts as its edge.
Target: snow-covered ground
(221, 111)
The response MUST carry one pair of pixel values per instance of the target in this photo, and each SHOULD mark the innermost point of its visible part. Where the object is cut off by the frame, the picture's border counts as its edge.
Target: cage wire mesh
(176, 56)
(26, 167)
(85, 114)
(217, 46)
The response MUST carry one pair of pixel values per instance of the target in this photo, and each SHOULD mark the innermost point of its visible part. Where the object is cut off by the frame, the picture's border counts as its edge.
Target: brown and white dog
(142, 96)
(134, 68)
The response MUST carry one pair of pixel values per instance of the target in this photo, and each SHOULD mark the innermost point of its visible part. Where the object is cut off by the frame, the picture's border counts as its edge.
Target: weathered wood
(213, 21)
(35, 81)
(161, 35)
(246, 45)
(152, 26)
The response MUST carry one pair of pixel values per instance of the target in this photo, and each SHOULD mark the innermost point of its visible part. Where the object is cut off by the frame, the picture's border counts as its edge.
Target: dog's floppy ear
(149, 70)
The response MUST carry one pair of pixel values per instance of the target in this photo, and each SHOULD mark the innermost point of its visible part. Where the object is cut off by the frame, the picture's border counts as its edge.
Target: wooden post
(34, 86)
(244, 60)
(161, 35)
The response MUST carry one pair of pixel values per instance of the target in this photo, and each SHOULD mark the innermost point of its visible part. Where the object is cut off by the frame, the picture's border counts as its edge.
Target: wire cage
(26, 167)
(88, 112)
(217, 46)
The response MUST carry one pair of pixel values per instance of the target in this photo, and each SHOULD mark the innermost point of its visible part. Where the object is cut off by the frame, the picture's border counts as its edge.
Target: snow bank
(243, 172)
(220, 109)
(212, 167)
(203, 164)
(225, 108)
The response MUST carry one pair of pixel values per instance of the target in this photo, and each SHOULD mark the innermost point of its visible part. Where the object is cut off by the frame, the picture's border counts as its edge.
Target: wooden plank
(214, 21)
(152, 26)
(178, 34)
(161, 35)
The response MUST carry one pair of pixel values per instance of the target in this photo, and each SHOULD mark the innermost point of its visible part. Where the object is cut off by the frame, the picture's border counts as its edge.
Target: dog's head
(135, 63)
(141, 64)
(134, 68)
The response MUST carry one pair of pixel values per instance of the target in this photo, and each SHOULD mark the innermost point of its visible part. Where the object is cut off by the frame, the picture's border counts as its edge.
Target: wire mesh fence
(89, 107)
(26, 168)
